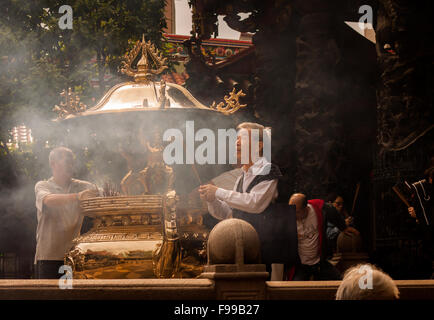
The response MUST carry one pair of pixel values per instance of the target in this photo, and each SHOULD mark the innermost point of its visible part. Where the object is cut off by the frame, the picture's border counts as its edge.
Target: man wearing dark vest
(254, 190)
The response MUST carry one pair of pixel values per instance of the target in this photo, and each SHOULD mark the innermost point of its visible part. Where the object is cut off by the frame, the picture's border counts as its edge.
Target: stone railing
(155, 289)
(227, 276)
(326, 290)
(222, 287)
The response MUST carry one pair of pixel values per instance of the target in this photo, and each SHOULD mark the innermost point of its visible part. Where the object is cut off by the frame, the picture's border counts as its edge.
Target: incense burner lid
(133, 96)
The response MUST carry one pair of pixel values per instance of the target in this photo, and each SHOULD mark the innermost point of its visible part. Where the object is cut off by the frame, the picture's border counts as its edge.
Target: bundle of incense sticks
(110, 190)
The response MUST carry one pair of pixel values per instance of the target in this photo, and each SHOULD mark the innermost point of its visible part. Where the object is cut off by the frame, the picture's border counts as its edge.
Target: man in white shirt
(312, 217)
(58, 213)
(254, 189)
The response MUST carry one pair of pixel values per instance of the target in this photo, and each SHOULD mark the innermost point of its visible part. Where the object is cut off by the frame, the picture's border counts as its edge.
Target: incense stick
(193, 167)
(356, 195)
(399, 194)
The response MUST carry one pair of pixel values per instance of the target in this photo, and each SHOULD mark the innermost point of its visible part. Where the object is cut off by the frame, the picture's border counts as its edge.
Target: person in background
(423, 210)
(58, 213)
(312, 217)
(367, 282)
(333, 231)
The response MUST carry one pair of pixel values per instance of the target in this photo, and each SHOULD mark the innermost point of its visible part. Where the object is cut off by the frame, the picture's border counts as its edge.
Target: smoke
(106, 147)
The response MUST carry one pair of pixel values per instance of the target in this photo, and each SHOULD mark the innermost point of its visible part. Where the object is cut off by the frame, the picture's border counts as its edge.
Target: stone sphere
(231, 236)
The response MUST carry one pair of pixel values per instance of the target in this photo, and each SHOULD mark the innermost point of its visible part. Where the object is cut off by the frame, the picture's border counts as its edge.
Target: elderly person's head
(245, 132)
(62, 163)
(367, 282)
(300, 202)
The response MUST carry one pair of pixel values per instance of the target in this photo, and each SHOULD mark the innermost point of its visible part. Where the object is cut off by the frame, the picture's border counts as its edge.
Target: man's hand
(207, 192)
(350, 230)
(412, 212)
(88, 193)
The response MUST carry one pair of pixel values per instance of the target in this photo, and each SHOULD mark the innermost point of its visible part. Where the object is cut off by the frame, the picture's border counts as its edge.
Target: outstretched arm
(58, 200)
(256, 201)
(217, 208)
(336, 218)
(45, 197)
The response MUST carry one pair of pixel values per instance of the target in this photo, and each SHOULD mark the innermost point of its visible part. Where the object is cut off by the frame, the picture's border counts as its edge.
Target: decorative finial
(70, 105)
(149, 55)
(232, 103)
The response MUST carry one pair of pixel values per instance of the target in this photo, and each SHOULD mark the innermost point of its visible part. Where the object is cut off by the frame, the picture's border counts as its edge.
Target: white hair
(58, 153)
(255, 126)
(352, 286)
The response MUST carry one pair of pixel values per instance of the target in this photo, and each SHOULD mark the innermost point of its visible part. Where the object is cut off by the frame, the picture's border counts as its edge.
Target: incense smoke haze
(106, 148)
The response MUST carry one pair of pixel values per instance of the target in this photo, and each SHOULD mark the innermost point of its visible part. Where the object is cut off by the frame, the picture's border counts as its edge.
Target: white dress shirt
(256, 201)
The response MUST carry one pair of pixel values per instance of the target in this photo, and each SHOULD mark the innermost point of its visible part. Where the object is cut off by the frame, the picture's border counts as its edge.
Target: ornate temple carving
(232, 103)
(151, 61)
(70, 105)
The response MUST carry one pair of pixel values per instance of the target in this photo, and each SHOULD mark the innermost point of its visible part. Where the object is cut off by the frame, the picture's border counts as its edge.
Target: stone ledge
(189, 289)
(326, 290)
(159, 289)
(93, 283)
(234, 276)
(302, 290)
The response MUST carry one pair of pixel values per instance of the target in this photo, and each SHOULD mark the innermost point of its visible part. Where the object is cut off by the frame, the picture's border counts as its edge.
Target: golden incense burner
(126, 239)
(148, 230)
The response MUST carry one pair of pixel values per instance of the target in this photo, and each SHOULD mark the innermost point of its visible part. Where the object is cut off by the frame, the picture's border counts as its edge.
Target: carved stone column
(318, 131)
(405, 52)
